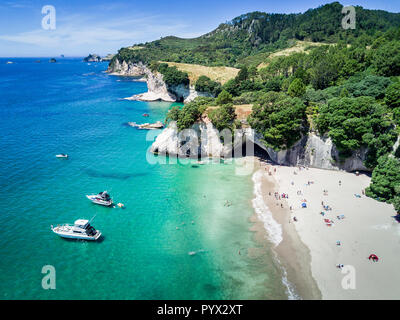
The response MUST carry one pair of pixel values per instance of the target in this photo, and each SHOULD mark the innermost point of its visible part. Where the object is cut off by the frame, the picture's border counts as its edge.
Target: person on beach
(373, 257)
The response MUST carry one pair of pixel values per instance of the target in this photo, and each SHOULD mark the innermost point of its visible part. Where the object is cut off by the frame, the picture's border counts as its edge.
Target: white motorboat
(103, 198)
(80, 230)
(61, 155)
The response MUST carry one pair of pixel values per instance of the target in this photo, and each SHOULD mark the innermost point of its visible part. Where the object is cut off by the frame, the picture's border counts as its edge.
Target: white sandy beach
(368, 227)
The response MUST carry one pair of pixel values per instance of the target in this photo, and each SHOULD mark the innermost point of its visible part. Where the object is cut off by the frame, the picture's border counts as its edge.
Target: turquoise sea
(75, 108)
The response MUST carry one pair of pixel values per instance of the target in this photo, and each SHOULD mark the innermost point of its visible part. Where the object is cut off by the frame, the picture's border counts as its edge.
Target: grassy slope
(220, 74)
(299, 46)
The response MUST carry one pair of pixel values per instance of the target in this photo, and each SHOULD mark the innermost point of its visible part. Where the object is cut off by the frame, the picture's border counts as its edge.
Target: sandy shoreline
(307, 248)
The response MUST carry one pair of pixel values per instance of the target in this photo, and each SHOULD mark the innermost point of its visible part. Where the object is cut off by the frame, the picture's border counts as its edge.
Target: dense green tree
(187, 115)
(280, 118)
(205, 84)
(386, 59)
(392, 97)
(356, 122)
(243, 74)
(172, 76)
(385, 182)
(223, 98)
(223, 117)
(297, 88)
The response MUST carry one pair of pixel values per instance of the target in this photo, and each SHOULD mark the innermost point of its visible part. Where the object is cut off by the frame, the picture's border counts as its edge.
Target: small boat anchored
(61, 155)
(80, 230)
(103, 198)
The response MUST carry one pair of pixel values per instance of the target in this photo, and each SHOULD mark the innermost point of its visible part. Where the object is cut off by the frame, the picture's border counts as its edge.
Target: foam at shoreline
(273, 228)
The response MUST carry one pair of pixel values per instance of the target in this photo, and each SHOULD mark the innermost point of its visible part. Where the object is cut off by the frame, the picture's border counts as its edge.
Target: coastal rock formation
(318, 152)
(108, 57)
(92, 58)
(96, 58)
(157, 88)
(204, 141)
(122, 68)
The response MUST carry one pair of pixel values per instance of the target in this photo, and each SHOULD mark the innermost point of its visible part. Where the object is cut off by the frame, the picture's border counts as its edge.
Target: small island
(96, 58)
(92, 58)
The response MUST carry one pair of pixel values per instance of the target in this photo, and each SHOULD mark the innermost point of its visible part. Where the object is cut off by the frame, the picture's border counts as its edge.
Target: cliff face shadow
(255, 150)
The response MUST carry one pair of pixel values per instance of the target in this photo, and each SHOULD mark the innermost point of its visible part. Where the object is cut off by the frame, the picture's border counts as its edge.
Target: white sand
(368, 227)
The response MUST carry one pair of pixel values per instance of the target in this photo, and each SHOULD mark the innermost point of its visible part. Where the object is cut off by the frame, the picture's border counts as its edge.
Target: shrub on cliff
(187, 115)
(280, 118)
(356, 122)
(223, 117)
(385, 182)
(223, 98)
(205, 84)
(172, 76)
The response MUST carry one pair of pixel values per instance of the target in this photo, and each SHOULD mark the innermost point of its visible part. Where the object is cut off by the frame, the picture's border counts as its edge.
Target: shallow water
(75, 108)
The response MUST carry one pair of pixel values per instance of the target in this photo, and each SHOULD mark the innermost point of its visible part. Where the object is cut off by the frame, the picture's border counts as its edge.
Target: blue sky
(103, 27)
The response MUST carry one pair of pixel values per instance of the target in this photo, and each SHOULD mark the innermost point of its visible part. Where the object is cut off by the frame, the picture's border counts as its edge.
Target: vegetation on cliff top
(232, 43)
(347, 89)
(171, 75)
(385, 182)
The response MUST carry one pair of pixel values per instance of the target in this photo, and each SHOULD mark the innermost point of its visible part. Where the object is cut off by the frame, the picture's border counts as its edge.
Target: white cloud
(79, 32)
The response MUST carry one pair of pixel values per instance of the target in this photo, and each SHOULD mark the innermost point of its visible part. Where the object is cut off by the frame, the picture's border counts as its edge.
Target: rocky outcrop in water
(157, 88)
(92, 58)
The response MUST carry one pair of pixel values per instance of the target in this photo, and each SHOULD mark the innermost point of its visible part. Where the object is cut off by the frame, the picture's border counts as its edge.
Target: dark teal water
(73, 107)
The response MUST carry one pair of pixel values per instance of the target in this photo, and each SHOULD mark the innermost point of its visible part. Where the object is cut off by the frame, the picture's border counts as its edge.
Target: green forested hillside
(257, 32)
(348, 89)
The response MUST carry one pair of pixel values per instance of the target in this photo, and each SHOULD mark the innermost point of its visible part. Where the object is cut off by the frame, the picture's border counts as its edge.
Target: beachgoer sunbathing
(373, 257)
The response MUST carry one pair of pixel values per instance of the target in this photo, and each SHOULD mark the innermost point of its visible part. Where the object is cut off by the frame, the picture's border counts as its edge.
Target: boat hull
(78, 237)
(99, 202)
